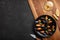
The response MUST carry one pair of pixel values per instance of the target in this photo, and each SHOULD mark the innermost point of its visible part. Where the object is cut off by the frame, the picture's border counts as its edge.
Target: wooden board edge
(33, 9)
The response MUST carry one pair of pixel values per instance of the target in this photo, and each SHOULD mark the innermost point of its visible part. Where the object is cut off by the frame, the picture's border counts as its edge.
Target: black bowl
(46, 24)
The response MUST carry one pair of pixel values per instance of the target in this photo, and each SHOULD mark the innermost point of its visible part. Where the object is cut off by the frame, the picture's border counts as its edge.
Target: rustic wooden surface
(37, 10)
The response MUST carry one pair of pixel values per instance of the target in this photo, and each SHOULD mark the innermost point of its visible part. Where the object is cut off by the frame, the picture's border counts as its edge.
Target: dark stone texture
(16, 20)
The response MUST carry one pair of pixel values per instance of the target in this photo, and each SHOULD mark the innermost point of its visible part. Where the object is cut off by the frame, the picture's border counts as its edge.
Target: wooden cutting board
(36, 7)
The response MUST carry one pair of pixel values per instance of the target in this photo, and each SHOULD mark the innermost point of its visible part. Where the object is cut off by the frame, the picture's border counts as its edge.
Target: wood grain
(37, 10)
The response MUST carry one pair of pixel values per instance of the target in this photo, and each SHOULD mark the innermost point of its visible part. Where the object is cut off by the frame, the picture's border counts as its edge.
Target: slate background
(16, 20)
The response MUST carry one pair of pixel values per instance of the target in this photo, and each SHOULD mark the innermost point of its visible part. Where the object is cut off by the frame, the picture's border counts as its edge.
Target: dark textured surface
(15, 20)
